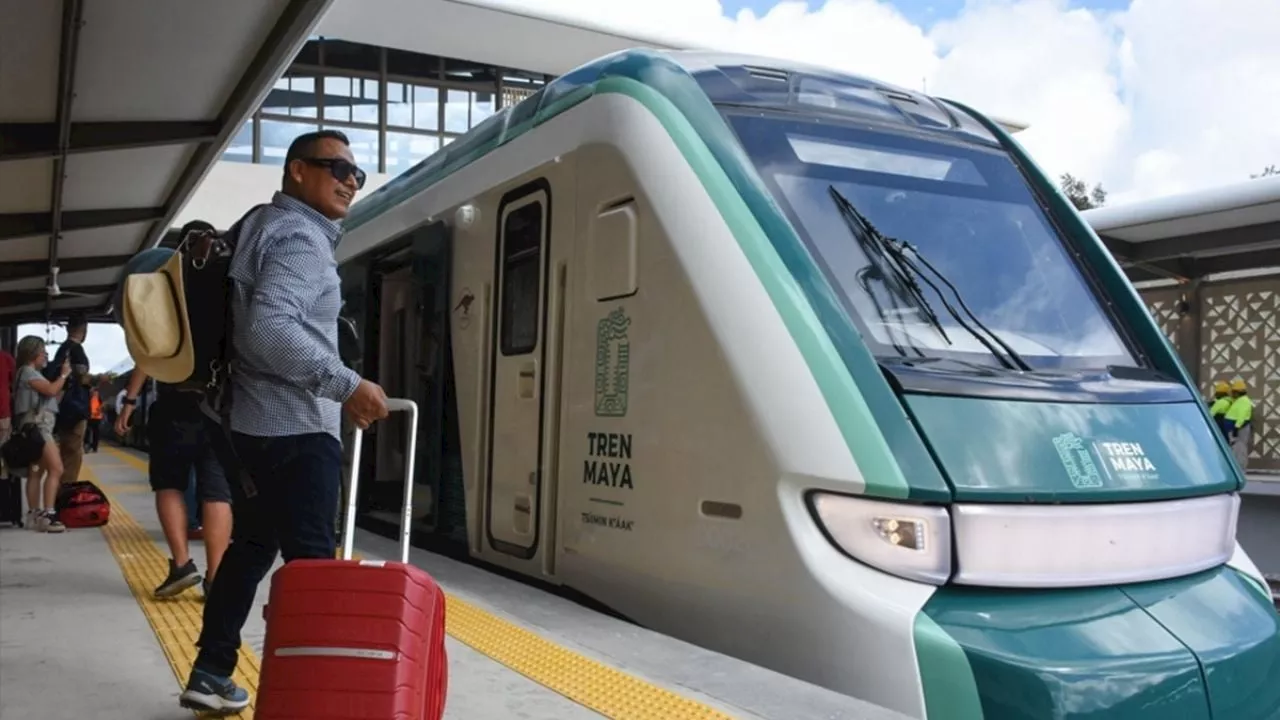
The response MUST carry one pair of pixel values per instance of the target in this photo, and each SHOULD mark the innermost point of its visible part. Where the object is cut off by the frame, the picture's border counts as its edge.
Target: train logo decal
(1078, 461)
(1127, 463)
(613, 364)
(463, 308)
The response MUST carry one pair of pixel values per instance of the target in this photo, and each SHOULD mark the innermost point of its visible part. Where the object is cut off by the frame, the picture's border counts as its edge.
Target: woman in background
(35, 402)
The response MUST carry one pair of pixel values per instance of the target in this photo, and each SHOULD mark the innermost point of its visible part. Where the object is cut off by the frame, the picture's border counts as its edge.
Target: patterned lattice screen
(1240, 332)
(1163, 306)
(512, 96)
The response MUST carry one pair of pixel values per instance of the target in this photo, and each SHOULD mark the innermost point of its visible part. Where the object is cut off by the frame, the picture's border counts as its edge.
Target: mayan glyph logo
(1078, 461)
(613, 364)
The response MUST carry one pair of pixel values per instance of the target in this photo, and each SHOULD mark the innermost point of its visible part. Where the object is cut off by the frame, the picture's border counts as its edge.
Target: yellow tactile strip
(176, 621)
(592, 684)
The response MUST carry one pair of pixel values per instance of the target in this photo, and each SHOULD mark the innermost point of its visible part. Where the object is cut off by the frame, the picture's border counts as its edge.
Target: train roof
(694, 81)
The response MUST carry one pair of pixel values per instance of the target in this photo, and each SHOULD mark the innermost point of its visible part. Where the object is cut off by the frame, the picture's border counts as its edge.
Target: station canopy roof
(1226, 229)
(111, 114)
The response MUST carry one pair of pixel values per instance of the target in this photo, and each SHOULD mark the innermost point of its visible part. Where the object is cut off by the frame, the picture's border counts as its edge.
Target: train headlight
(910, 541)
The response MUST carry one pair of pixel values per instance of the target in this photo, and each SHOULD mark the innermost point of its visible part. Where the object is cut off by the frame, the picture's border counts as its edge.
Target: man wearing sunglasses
(289, 390)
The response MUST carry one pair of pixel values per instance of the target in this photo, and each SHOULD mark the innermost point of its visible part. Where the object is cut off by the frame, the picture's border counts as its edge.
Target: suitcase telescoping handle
(349, 527)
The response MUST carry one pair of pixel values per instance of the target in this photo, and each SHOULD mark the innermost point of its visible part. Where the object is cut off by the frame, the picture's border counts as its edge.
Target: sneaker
(50, 522)
(210, 693)
(32, 521)
(180, 578)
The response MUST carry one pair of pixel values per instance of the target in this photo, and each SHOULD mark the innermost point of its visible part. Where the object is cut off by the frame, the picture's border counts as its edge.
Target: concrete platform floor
(68, 610)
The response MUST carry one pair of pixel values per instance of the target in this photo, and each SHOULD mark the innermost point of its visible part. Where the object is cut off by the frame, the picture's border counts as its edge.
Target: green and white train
(815, 372)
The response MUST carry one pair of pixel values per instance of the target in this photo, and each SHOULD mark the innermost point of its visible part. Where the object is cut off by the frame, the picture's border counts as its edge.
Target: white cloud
(1164, 96)
(104, 343)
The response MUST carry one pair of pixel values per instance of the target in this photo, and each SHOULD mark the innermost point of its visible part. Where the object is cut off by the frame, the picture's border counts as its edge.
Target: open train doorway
(408, 352)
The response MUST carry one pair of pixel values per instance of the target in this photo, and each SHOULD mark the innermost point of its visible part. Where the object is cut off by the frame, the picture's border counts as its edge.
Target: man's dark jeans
(298, 479)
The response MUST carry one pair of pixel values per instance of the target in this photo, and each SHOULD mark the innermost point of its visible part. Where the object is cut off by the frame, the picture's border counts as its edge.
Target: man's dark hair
(76, 323)
(199, 225)
(304, 145)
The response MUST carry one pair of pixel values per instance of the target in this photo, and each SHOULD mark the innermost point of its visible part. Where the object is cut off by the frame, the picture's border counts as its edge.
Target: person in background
(92, 430)
(119, 406)
(289, 391)
(1221, 402)
(183, 444)
(7, 368)
(73, 406)
(195, 531)
(35, 401)
(1239, 419)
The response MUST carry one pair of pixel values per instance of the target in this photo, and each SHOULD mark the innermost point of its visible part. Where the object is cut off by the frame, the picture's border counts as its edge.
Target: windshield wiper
(894, 254)
(897, 280)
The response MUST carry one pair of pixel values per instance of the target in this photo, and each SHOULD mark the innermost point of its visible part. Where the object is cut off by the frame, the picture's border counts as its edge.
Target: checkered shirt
(287, 378)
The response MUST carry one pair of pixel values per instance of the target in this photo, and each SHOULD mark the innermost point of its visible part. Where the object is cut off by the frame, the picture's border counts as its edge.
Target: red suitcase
(356, 640)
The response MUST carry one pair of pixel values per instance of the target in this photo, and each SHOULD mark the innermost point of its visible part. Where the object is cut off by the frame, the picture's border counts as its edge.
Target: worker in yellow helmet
(1221, 402)
(1239, 422)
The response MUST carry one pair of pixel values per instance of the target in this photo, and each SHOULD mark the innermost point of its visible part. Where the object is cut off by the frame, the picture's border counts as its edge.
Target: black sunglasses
(340, 169)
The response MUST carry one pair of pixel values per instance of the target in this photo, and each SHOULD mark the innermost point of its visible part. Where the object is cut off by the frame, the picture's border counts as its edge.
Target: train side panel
(690, 425)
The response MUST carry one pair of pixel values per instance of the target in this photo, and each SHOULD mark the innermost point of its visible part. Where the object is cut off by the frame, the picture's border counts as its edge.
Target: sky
(1148, 97)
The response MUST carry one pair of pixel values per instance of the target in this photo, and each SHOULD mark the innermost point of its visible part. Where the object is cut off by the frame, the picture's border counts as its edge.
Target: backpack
(204, 260)
(82, 505)
(23, 448)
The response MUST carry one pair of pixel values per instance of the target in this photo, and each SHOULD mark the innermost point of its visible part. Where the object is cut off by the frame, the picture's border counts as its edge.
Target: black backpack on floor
(11, 487)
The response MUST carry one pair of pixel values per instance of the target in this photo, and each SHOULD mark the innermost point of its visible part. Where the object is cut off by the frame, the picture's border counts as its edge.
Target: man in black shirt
(73, 406)
(183, 443)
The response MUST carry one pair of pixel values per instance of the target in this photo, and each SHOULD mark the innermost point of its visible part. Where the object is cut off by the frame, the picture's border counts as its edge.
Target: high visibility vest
(1219, 407)
(95, 407)
(1240, 413)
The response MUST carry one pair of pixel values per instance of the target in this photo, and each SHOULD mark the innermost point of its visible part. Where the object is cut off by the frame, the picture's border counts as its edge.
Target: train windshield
(899, 221)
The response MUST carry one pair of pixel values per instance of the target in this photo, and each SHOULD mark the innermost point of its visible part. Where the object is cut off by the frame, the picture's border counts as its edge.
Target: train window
(613, 251)
(521, 278)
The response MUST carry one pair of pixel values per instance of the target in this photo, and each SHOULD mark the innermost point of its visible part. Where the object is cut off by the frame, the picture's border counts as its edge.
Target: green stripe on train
(1146, 651)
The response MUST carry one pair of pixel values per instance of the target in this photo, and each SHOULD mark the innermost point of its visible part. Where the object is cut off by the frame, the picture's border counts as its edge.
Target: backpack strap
(218, 407)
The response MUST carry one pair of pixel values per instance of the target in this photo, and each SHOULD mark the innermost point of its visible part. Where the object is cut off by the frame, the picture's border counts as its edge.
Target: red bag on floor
(350, 639)
(82, 505)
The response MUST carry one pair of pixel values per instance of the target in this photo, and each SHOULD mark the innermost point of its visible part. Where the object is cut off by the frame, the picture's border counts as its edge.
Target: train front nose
(1202, 646)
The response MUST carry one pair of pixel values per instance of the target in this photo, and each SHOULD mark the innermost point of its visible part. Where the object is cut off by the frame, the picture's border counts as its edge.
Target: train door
(439, 498)
(520, 444)
(412, 363)
(398, 330)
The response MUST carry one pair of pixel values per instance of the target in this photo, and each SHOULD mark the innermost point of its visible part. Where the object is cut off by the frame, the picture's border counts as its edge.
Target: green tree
(1077, 191)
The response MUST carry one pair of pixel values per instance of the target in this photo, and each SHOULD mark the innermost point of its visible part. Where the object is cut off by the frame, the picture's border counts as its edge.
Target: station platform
(82, 636)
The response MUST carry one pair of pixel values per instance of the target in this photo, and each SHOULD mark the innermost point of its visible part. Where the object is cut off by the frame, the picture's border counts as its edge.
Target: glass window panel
(967, 210)
(348, 99)
(294, 96)
(276, 137)
(481, 107)
(426, 108)
(364, 146)
(366, 104)
(399, 105)
(337, 98)
(404, 150)
(521, 277)
(241, 147)
(457, 112)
